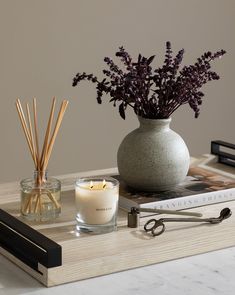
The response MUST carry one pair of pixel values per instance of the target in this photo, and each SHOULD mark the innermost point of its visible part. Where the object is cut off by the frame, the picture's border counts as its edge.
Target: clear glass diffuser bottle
(40, 197)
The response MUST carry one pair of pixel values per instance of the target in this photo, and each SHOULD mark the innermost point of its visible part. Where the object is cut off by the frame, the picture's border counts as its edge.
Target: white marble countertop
(210, 273)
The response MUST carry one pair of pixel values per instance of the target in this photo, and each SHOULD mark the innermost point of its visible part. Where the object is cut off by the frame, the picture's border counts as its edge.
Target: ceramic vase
(153, 157)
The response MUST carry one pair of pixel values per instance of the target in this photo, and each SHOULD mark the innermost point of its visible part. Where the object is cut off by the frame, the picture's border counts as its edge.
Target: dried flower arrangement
(154, 93)
(35, 200)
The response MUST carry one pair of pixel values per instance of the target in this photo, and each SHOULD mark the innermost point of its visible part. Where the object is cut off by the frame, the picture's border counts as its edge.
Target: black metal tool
(223, 157)
(157, 226)
(134, 215)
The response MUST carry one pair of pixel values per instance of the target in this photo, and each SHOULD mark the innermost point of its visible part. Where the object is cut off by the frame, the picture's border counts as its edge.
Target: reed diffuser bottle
(40, 195)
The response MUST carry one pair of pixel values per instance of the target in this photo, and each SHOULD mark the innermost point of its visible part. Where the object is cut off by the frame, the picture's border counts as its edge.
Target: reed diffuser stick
(48, 132)
(31, 131)
(55, 132)
(25, 129)
(36, 132)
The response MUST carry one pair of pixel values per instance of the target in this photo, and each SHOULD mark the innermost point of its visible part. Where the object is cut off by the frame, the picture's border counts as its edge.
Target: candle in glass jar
(96, 200)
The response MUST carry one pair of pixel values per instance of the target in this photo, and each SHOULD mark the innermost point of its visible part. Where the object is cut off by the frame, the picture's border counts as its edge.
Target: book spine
(194, 200)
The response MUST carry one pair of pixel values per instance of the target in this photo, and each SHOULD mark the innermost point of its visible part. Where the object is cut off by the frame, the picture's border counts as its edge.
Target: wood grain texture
(86, 256)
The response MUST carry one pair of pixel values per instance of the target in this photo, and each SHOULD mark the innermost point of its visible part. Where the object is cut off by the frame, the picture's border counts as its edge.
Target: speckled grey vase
(153, 157)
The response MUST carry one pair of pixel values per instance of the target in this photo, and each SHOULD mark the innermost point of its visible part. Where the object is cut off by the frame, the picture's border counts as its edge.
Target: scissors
(157, 226)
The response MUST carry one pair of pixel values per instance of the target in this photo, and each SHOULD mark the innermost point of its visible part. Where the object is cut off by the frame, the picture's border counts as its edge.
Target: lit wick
(91, 184)
(104, 184)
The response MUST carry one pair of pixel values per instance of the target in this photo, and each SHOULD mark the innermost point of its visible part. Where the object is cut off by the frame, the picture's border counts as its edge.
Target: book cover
(201, 187)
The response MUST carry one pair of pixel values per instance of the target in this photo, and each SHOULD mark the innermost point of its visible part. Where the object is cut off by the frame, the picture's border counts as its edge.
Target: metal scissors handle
(157, 226)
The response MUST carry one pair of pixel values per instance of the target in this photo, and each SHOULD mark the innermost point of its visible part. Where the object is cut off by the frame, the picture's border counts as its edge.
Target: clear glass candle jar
(97, 204)
(40, 197)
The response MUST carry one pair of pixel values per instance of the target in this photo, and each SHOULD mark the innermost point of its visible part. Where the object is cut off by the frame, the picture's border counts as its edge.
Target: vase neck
(156, 124)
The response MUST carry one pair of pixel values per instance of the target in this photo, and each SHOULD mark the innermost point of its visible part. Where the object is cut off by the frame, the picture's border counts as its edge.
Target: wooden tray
(85, 256)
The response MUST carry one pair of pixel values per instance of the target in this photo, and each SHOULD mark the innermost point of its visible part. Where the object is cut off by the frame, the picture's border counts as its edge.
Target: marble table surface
(210, 273)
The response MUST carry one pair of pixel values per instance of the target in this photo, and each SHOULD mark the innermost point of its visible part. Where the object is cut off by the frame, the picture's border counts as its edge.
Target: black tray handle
(223, 157)
(27, 244)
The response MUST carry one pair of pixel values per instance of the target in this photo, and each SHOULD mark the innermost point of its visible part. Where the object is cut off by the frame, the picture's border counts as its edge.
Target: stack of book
(201, 187)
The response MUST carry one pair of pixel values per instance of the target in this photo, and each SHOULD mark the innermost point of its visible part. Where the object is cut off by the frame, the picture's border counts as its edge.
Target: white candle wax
(96, 203)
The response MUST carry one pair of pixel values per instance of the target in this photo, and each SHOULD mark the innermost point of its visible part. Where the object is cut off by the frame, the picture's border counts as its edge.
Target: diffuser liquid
(40, 206)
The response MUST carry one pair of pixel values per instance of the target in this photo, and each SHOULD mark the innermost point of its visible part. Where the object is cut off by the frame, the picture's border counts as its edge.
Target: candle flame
(104, 184)
(91, 184)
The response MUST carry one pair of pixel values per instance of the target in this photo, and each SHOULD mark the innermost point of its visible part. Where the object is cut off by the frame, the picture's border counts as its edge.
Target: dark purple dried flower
(154, 94)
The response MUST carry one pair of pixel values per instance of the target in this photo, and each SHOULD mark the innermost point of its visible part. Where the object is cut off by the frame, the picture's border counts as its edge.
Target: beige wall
(44, 43)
